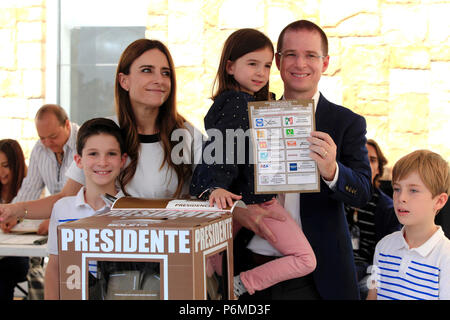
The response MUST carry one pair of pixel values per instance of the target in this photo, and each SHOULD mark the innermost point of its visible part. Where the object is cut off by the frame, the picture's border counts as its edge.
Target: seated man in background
(372, 222)
(50, 158)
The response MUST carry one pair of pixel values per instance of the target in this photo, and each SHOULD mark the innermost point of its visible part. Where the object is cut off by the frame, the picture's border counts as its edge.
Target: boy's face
(413, 203)
(101, 159)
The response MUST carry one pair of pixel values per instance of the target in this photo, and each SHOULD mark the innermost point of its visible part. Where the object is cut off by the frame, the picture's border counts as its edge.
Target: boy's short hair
(98, 126)
(431, 167)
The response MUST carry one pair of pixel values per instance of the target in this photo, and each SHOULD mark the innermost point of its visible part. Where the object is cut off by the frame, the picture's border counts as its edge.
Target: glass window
(92, 36)
(124, 280)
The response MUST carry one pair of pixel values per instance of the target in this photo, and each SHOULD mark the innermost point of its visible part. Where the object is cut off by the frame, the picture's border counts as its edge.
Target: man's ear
(325, 63)
(67, 125)
(278, 60)
(77, 159)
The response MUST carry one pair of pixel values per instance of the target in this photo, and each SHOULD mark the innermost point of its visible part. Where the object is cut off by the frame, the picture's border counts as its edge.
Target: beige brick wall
(22, 68)
(390, 60)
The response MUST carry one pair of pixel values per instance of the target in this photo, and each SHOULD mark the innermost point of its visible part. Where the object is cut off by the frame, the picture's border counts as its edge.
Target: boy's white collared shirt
(413, 273)
(70, 209)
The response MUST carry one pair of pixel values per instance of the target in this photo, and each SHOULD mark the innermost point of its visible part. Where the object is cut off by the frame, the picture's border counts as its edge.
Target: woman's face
(5, 171)
(148, 82)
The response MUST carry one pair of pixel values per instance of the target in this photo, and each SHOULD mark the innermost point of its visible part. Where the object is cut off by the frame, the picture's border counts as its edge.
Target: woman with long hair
(145, 99)
(12, 171)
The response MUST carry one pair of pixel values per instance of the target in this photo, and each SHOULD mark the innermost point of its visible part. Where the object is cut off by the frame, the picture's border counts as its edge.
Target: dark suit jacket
(322, 214)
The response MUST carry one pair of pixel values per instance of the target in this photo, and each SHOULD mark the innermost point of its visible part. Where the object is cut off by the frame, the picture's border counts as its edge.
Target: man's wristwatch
(205, 194)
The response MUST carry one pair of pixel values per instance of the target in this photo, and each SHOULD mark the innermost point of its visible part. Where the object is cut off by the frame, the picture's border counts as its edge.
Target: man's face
(373, 159)
(53, 135)
(301, 63)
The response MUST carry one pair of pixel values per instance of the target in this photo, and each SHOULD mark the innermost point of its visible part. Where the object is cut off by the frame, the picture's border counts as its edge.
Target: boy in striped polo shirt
(101, 155)
(414, 263)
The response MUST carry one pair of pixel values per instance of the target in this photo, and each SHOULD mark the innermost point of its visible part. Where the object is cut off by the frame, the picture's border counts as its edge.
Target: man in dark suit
(339, 148)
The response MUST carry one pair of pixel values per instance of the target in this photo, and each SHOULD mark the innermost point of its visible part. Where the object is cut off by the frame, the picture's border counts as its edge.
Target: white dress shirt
(45, 171)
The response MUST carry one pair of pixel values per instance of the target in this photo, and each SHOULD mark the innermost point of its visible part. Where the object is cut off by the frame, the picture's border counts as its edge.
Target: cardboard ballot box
(148, 249)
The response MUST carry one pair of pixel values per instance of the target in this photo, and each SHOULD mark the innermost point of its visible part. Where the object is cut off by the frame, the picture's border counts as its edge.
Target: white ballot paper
(280, 150)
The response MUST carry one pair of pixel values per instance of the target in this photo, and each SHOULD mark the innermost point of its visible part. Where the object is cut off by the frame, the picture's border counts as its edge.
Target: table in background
(22, 250)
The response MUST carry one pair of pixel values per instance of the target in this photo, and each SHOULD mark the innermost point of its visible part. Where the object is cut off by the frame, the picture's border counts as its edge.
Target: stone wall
(390, 60)
(22, 69)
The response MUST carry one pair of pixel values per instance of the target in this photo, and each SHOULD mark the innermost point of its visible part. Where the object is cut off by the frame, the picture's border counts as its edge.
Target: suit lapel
(323, 115)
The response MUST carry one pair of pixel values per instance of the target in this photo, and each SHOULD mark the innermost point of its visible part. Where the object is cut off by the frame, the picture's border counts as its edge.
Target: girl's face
(148, 82)
(5, 171)
(252, 70)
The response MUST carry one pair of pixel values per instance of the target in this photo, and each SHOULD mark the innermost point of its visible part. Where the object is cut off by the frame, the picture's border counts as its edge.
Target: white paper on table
(7, 238)
(27, 226)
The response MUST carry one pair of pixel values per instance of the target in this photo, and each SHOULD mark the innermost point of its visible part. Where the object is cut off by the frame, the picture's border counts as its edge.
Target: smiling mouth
(300, 75)
(102, 172)
(156, 90)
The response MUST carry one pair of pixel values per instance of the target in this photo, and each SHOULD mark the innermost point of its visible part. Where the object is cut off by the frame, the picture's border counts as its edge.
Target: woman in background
(12, 171)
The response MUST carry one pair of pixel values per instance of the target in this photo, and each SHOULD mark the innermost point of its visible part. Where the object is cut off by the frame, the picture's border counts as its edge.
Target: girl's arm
(223, 198)
(37, 209)
(51, 284)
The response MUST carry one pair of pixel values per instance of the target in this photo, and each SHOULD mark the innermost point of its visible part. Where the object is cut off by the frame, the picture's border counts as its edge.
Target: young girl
(243, 76)
(12, 171)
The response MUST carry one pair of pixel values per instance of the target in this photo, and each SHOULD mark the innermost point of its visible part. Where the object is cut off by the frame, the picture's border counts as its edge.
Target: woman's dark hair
(16, 162)
(240, 43)
(167, 121)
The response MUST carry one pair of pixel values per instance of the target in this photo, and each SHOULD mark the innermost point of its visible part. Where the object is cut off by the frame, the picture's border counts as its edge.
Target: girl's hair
(382, 161)
(167, 121)
(240, 43)
(98, 126)
(16, 162)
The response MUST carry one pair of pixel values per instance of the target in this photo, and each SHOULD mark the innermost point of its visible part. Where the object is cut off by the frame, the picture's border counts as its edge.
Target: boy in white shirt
(101, 155)
(414, 263)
